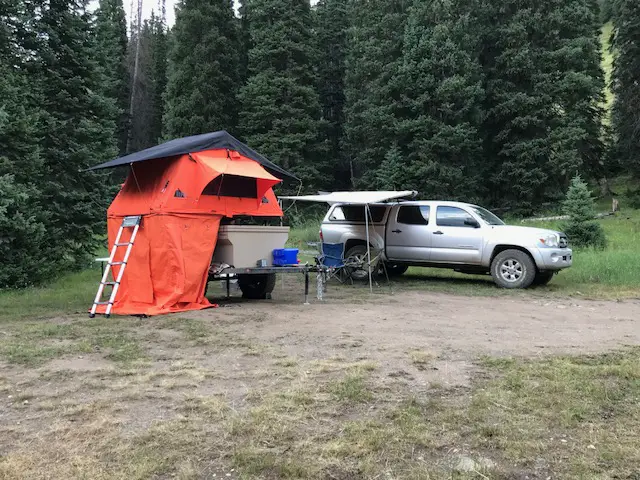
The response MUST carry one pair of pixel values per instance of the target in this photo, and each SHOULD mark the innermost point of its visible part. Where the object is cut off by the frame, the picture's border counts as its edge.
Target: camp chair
(332, 257)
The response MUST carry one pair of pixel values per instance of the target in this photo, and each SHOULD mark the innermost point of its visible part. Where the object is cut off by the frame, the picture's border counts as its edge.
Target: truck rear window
(355, 213)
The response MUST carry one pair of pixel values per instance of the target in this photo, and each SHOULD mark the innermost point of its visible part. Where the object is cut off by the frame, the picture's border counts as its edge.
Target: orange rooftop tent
(183, 188)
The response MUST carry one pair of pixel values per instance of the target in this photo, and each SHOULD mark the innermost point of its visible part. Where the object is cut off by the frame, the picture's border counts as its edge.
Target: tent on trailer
(183, 189)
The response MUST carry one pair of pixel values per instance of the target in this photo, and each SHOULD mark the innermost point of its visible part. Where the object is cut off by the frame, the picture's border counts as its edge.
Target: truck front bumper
(554, 258)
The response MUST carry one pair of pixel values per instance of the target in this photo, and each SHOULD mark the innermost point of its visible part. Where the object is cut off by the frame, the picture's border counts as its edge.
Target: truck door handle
(438, 233)
(396, 231)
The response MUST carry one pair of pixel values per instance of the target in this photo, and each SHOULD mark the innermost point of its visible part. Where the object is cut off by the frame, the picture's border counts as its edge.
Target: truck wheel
(257, 287)
(356, 262)
(542, 278)
(395, 270)
(513, 269)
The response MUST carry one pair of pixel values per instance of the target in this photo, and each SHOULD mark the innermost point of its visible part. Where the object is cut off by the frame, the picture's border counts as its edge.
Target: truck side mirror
(471, 222)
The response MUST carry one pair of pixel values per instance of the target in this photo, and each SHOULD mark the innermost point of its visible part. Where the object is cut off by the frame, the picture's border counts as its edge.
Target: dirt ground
(453, 330)
(144, 390)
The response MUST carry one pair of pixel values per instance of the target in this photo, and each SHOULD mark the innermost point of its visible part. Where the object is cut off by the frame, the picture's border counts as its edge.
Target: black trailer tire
(395, 269)
(542, 278)
(513, 269)
(257, 287)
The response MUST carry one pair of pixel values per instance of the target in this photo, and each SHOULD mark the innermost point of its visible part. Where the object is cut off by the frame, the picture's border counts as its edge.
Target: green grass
(565, 417)
(607, 65)
(299, 236)
(72, 293)
(32, 343)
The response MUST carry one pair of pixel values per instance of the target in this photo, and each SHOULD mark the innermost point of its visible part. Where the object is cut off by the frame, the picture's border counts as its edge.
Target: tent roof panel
(196, 143)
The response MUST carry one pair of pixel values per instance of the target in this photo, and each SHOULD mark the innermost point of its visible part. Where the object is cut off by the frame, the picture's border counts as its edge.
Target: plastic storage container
(285, 256)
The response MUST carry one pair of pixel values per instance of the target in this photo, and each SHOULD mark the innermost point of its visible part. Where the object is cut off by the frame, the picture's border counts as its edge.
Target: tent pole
(366, 222)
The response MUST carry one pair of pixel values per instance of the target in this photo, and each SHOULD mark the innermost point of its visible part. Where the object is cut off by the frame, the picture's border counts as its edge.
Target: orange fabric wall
(169, 263)
(168, 267)
(151, 187)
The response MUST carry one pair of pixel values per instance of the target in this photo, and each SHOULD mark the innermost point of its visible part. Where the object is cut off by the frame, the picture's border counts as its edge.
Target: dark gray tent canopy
(196, 143)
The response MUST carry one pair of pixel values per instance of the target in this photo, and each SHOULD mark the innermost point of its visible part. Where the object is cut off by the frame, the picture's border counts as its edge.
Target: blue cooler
(285, 256)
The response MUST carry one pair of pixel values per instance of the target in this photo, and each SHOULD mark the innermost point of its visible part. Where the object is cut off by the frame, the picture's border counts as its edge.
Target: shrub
(581, 228)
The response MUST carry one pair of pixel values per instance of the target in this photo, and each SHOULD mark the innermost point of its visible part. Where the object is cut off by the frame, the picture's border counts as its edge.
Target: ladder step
(118, 263)
(103, 303)
(126, 244)
(109, 283)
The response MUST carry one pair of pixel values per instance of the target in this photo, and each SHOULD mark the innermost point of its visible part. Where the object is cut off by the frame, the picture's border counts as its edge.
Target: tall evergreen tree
(332, 26)
(626, 84)
(441, 110)
(22, 228)
(280, 110)
(543, 86)
(77, 130)
(151, 81)
(111, 39)
(370, 98)
(578, 92)
(203, 69)
(373, 59)
(244, 40)
(158, 53)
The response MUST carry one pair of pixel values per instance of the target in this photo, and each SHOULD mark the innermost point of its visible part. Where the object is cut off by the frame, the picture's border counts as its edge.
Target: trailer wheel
(257, 287)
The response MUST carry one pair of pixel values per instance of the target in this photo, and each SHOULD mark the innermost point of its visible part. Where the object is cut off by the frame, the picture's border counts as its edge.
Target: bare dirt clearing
(410, 385)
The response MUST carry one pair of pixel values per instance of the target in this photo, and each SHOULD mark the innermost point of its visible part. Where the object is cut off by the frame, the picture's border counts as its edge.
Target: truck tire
(542, 278)
(356, 259)
(395, 269)
(257, 287)
(513, 269)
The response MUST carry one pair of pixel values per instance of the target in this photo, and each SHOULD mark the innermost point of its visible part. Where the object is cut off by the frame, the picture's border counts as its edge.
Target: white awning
(353, 198)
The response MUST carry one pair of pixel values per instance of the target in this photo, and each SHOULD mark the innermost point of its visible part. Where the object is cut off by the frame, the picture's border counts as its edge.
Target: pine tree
(441, 109)
(332, 25)
(626, 84)
(373, 58)
(245, 40)
(77, 131)
(543, 93)
(577, 92)
(151, 81)
(22, 228)
(203, 69)
(158, 53)
(581, 228)
(279, 104)
(111, 39)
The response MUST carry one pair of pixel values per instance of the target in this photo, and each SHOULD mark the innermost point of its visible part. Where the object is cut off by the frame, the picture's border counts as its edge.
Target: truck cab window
(454, 217)
(355, 213)
(413, 215)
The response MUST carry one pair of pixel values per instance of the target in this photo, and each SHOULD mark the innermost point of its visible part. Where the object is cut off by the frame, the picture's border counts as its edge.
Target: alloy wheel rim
(511, 270)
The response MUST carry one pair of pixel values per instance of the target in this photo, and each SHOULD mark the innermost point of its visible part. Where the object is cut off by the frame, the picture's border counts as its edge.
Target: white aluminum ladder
(127, 222)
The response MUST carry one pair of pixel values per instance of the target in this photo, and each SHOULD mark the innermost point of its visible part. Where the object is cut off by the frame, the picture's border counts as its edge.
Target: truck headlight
(550, 241)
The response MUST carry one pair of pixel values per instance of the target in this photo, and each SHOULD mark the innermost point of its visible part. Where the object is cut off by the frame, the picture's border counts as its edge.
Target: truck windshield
(488, 217)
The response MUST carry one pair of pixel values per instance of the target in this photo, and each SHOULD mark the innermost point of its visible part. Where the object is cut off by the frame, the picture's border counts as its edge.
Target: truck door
(457, 237)
(408, 236)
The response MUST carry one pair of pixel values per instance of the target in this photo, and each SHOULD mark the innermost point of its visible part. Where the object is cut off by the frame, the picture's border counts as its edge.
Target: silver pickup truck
(459, 236)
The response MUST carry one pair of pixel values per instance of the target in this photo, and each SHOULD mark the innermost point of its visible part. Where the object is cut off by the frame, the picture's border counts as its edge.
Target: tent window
(232, 186)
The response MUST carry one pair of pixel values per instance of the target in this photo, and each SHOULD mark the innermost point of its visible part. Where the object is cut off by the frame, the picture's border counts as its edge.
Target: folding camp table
(305, 269)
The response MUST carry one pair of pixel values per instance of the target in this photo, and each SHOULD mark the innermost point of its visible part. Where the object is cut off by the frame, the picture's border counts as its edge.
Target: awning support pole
(366, 222)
